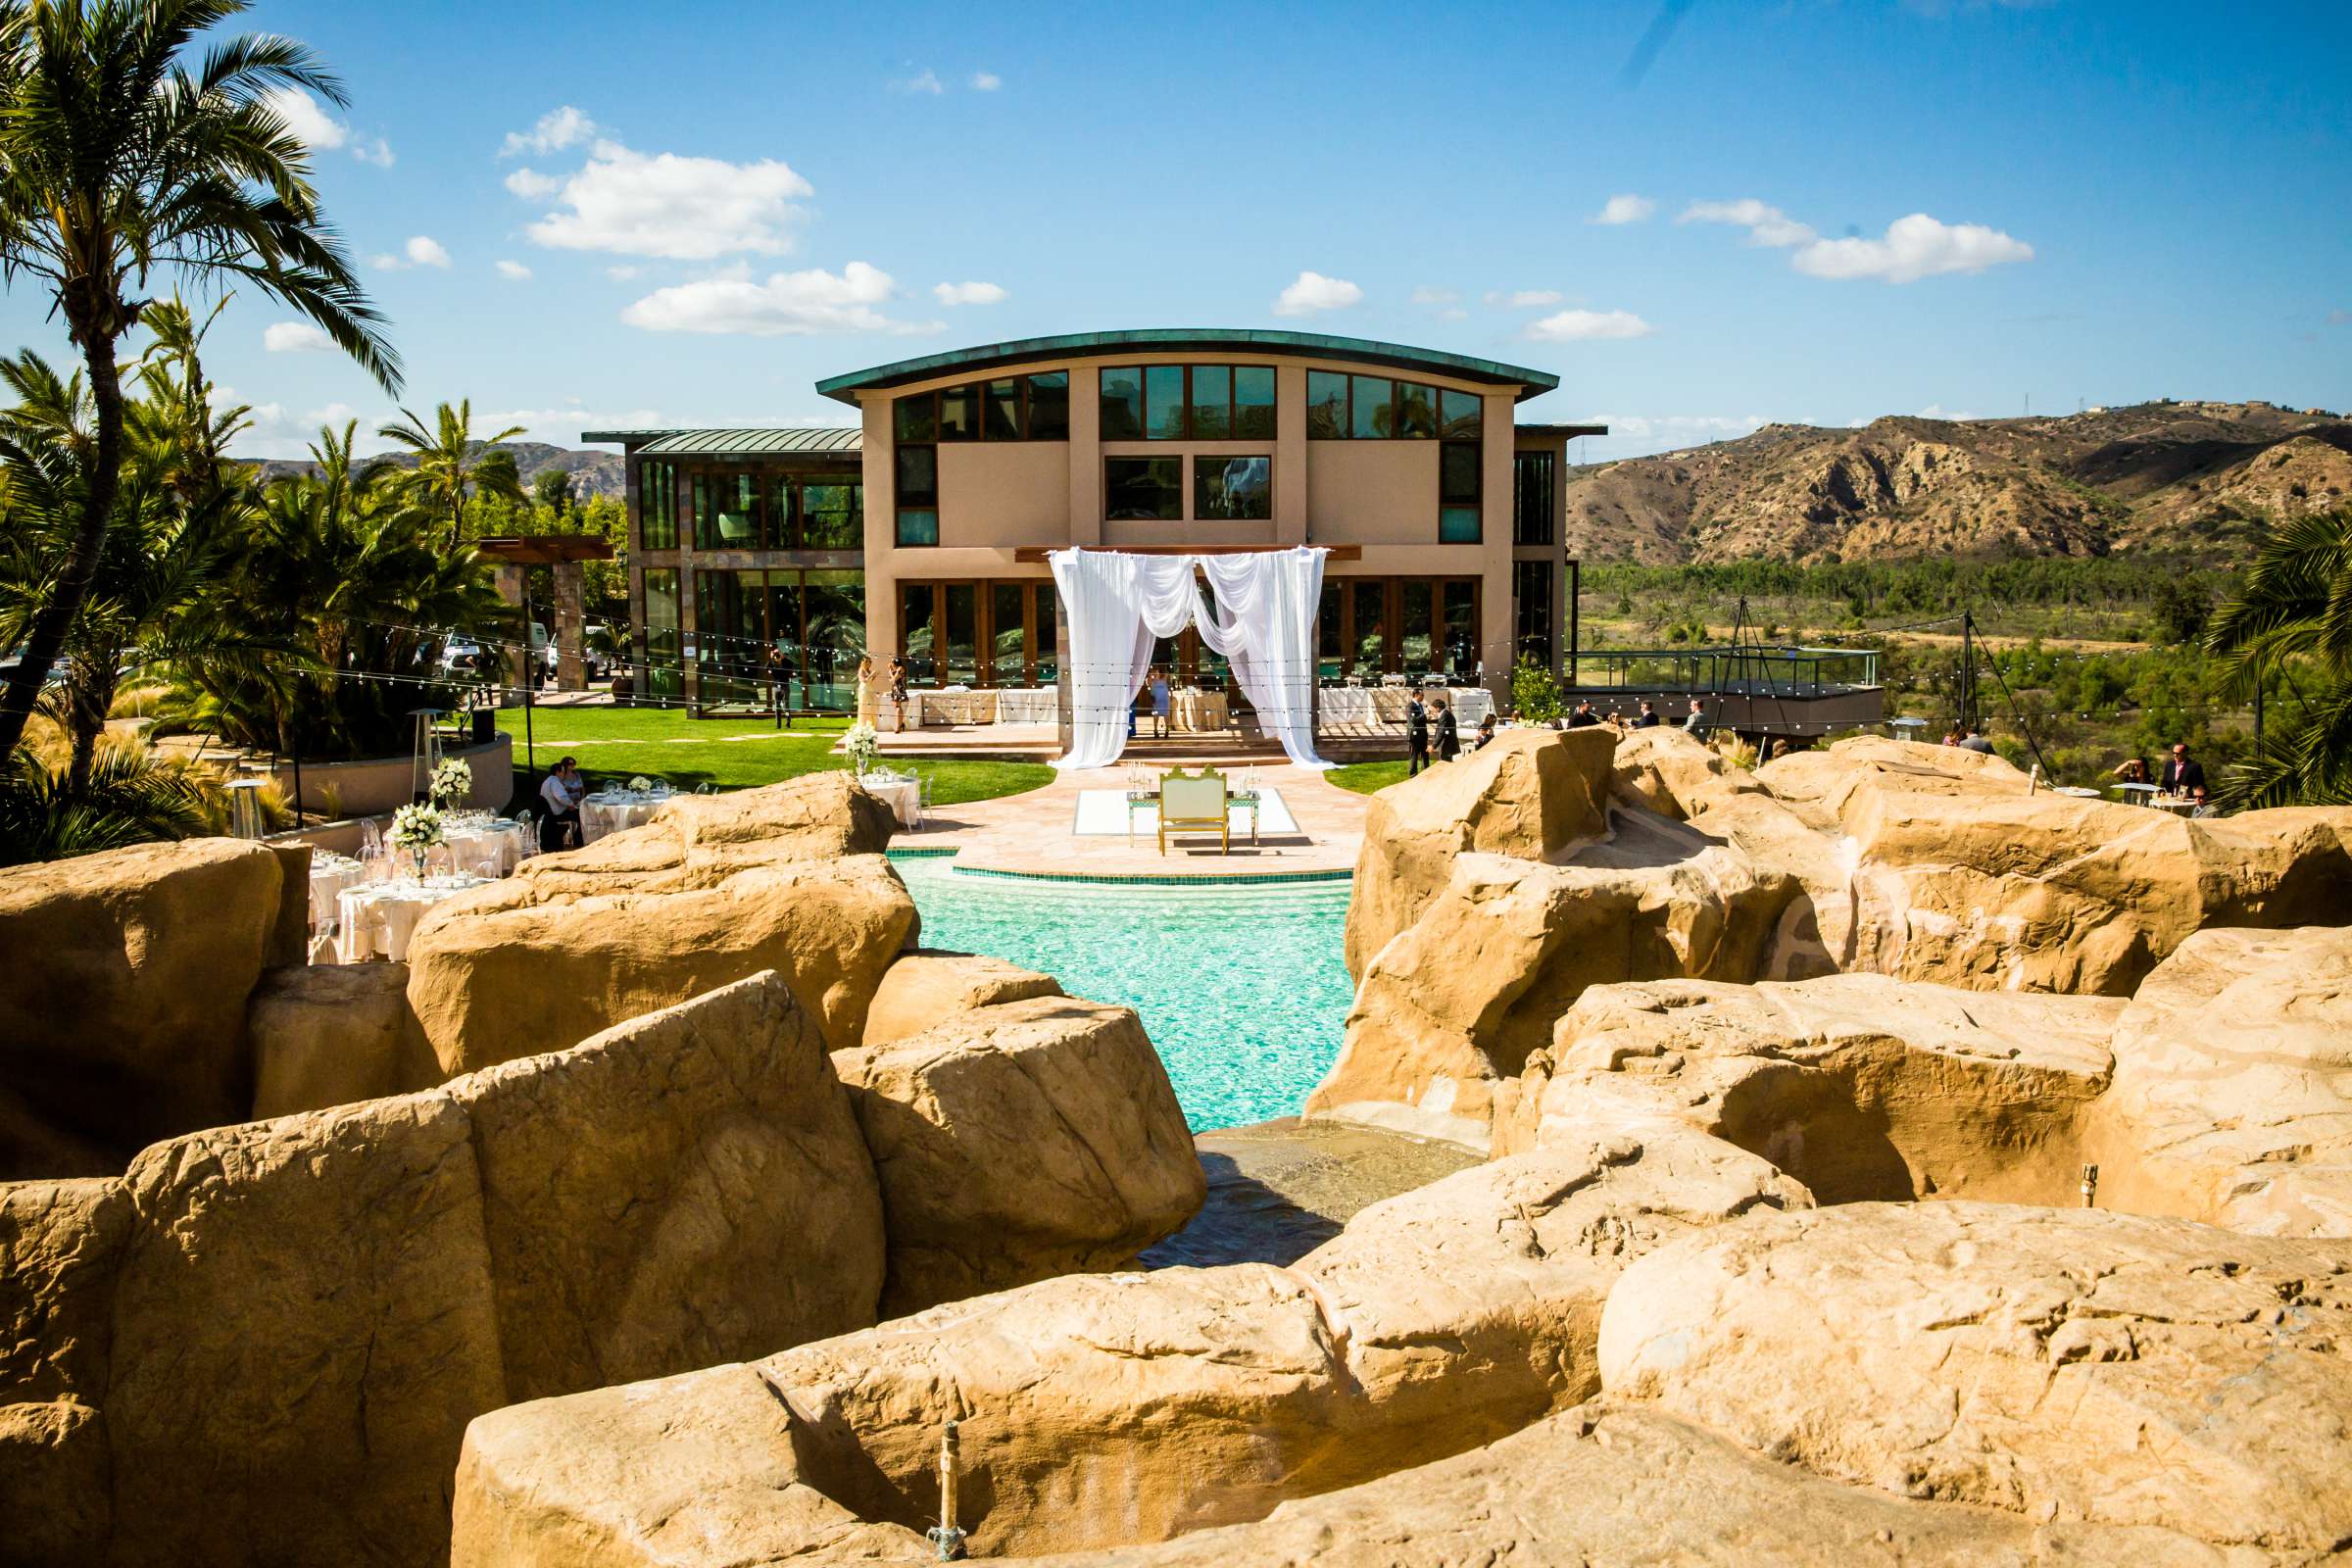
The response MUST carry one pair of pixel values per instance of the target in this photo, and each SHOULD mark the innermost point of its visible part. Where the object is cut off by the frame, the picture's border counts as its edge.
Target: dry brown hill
(593, 473)
(2185, 476)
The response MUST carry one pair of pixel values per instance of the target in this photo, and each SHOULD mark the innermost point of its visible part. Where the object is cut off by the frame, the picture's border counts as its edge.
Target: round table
(378, 917)
(330, 874)
(611, 811)
(905, 796)
(498, 841)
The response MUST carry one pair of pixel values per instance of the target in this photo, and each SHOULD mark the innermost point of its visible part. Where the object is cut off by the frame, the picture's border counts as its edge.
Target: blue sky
(588, 214)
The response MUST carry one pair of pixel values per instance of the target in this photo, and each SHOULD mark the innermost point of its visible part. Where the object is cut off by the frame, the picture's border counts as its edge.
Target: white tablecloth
(1041, 706)
(946, 707)
(379, 917)
(500, 841)
(904, 795)
(1194, 709)
(1385, 705)
(611, 811)
(330, 874)
(1344, 705)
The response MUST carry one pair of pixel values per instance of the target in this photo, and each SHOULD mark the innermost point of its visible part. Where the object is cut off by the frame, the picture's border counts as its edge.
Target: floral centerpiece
(863, 745)
(641, 785)
(416, 829)
(452, 783)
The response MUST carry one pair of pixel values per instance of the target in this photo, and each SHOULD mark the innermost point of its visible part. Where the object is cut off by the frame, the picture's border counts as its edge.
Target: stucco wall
(1003, 494)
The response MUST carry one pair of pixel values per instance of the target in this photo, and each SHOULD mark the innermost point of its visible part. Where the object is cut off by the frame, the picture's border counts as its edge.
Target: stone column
(510, 583)
(571, 672)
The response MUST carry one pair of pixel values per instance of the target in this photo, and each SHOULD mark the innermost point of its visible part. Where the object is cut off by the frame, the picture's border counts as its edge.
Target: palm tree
(452, 467)
(121, 156)
(2295, 613)
(128, 796)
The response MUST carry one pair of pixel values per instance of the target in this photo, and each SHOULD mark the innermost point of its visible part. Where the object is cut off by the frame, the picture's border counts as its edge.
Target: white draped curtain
(1119, 604)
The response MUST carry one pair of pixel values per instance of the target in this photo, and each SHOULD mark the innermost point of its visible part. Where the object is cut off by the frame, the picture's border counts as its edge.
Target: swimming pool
(1241, 989)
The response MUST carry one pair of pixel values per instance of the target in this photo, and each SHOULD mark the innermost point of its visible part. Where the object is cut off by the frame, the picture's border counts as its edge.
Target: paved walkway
(1034, 832)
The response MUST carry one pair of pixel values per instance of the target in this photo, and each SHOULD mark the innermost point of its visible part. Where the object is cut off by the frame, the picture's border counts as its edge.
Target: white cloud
(1627, 208)
(1636, 435)
(1914, 247)
(1314, 292)
(683, 209)
(556, 130)
(295, 337)
(788, 304)
(924, 82)
(1524, 299)
(514, 270)
(1936, 410)
(377, 151)
(1579, 326)
(1431, 294)
(1454, 313)
(986, 81)
(421, 250)
(533, 186)
(562, 426)
(1765, 225)
(968, 293)
(305, 117)
(621, 275)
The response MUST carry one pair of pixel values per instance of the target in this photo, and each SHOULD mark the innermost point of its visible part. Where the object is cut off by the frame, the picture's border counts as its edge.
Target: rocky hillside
(593, 473)
(2154, 476)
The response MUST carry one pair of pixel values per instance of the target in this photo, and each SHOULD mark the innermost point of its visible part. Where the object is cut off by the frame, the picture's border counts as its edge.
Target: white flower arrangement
(416, 829)
(641, 784)
(863, 744)
(452, 783)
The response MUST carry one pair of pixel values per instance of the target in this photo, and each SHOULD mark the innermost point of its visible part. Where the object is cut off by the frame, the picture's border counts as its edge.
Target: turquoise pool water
(1240, 988)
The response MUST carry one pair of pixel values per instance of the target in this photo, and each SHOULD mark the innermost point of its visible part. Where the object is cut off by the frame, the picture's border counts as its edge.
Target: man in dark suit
(2184, 775)
(1584, 717)
(1416, 735)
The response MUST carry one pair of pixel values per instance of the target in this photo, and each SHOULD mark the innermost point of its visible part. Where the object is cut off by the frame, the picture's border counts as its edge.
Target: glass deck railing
(1786, 671)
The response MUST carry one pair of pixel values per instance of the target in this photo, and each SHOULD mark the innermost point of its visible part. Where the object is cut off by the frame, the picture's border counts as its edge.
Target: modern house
(779, 555)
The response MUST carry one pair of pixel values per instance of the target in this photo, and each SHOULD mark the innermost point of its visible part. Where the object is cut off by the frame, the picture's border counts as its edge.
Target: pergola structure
(563, 552)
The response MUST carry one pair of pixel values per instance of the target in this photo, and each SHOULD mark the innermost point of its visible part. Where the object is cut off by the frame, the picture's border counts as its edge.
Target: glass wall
(658, 508)
(661, 673)
(977, 633)
(743, 508)
(1534, 496)
(1187, 402)
(770, 636)
(1009, 407)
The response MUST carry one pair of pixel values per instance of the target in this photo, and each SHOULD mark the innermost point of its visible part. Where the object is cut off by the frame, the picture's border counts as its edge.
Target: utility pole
(1968, 670)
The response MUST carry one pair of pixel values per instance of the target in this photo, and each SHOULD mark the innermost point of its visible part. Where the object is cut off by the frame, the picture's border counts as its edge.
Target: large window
(1458, 493)
(1533, 495)
(1143, 489)
(918, 495)
(1187, 402)
(1375, 408)
(1008, 407)
(1530, 588)
(1371, 627)
(740, 508)
(977, 633)
(658, 509)
(1233, 488)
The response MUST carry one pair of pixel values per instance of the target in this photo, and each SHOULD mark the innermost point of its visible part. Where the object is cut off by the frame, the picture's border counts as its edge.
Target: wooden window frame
(1193, 498)
(1347, 430)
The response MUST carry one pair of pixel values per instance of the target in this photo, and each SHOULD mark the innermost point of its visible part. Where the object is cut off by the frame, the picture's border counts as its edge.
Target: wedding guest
(1584, 717)
(1449, 743)
(561, 792)
(1976, 741)
(2184, 775)
(1416, 735)
(2132, 770)
(1485, 732)
(1650, 718)
(1695, 721)
(1159, 702)
(898, 689)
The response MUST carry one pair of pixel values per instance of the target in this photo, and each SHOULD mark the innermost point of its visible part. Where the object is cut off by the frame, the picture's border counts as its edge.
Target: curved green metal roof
(671, 442)
(1191, 339)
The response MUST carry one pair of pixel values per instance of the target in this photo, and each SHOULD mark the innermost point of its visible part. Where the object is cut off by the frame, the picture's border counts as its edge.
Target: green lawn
(1365, 778)
(732, 753)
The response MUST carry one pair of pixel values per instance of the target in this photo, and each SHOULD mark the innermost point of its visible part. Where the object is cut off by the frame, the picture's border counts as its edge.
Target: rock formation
(122, 1002)
(1918, 862)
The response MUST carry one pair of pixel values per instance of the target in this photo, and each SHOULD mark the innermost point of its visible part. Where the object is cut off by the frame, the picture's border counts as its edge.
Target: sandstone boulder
(2063, 1365)
(1859, 1085)
(517, 968)
(53, 1477)
(698, 841)
(1020, 1141)
(60, 1245)
(921, 990)
(131, 1026)
(1817, 783)
(1532, 794)
(1448, 1010)
(685, 1187)
(303, 1325)
(333, 1034)
(1675, 773)
(2233, 1096)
